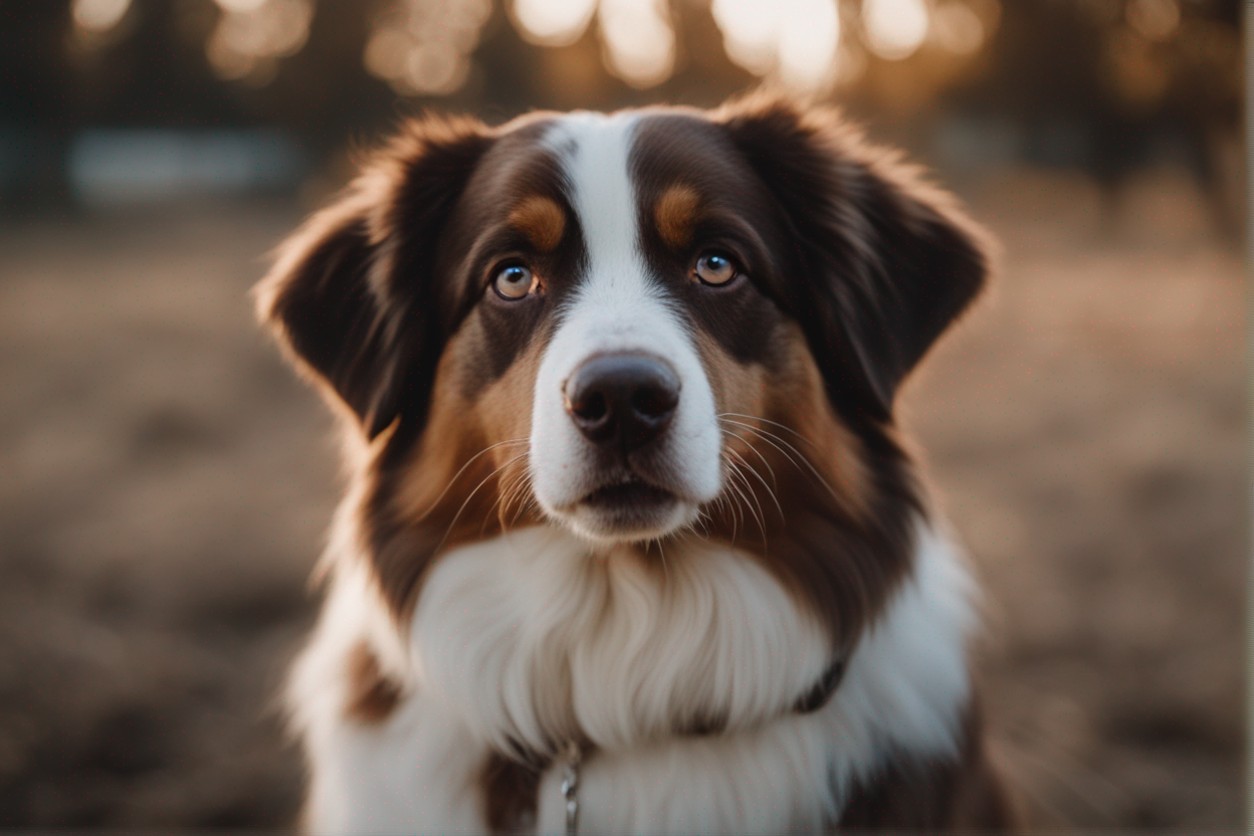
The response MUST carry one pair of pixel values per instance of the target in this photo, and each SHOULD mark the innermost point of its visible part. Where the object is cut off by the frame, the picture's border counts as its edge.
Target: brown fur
(798, 488)
(509, 795)
(676, 214)
(465, 481)
(935, 797)
(372, 696)
(541, 220)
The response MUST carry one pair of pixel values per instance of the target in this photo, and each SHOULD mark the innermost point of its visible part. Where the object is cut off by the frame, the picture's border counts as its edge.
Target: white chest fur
(525, 638)
(534, 641)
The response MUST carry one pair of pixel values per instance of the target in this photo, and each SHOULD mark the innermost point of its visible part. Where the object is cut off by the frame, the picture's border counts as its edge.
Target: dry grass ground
(166, 484)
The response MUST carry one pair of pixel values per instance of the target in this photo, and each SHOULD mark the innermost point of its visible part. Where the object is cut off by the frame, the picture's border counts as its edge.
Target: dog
(632, 542)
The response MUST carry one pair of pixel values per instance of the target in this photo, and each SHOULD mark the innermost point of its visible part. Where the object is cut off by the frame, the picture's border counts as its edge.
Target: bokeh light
(252, 35)
(427, 47)
(796, 42)
(424, 46)
(1156, 20)
(1136, 77)
(639, 41)
(97, 16)
(552, 22)
(957, 28)
(241, 6)
(809, 39)
(895, 29)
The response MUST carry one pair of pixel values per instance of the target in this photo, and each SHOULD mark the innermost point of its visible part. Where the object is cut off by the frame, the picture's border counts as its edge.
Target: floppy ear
(886, 262)
(350, 294)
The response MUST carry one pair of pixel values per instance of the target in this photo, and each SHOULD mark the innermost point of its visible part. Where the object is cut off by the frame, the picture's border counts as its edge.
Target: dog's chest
(528, 643)
(535, 642)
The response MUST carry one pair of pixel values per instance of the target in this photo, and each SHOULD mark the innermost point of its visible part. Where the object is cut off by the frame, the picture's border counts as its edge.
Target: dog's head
(627, 326)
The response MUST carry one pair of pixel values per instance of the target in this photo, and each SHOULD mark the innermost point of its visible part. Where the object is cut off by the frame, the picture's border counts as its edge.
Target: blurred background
(167, 483)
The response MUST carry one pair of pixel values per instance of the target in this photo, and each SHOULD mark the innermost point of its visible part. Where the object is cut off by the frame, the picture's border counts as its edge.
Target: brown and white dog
(626, 482)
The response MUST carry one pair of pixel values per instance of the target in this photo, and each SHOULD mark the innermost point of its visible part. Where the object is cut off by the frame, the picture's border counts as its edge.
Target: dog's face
(627, 326)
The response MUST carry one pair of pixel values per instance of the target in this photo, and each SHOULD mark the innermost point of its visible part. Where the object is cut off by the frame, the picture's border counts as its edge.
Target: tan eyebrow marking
(541, 220)
(676, 215)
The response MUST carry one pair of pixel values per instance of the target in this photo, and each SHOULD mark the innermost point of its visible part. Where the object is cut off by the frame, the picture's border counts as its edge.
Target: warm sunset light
(809, 38)
(428, 47)
(895, 28)
(386, 53)
(553, 22)
(639, 41)
(794, 41)
(957, 28)
(241, 6)
(748, 30)
(425, 48)
(252, 34)
(684, 373)
(99, 15)
(1156, 20)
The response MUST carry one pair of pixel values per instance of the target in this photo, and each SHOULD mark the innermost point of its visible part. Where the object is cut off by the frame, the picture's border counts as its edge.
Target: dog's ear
(350, 294)
(886, 262)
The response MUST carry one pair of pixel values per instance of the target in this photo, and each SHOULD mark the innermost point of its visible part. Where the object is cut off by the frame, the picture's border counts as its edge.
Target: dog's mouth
(633, 494)
(628, 508)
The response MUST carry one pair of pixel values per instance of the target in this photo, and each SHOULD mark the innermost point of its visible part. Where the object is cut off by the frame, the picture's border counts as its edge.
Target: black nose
(624, 400)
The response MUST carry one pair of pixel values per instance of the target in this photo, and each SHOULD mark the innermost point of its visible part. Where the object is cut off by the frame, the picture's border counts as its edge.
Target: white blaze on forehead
(617, 305)
(596, 152)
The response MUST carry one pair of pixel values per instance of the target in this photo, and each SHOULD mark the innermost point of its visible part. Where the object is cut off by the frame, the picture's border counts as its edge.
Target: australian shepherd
(632, 543)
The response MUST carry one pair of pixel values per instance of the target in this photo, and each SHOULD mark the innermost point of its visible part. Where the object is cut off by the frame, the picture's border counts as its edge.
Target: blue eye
(514, 282)
(714, 268)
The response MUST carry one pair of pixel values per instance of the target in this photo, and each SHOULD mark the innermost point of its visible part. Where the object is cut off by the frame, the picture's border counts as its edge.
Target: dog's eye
(715, 268)
(514, 281)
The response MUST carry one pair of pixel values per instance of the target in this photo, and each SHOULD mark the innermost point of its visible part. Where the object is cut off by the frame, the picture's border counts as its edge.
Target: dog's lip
(629, 492)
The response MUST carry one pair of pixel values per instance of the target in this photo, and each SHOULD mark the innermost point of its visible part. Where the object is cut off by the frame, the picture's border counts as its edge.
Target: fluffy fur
(502, 581)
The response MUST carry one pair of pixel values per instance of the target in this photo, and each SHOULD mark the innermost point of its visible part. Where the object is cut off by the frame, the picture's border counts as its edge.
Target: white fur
(526, 635)
(416, 766)
(534, 639)
(617, 308)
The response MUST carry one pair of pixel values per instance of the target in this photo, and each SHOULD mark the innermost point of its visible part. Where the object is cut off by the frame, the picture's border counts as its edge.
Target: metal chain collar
(570, 785)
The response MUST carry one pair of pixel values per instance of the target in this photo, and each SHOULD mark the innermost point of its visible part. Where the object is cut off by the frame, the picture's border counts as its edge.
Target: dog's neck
(903, 693)
(537, 644)
(522, 642)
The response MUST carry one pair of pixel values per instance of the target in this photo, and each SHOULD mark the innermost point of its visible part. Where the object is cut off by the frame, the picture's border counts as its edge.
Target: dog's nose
(623, 399)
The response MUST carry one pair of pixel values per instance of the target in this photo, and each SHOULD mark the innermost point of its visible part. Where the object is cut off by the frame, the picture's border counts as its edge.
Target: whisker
(530, 505)
(741, 493)
(746, 466)
(724, 503)
(436, 502)
(703, 520)
(471, 496)
(772, 439)
(762, 420)
(760, 513)
(523, 496)
(787, 449)
(733, 505)
(767, 434)
(765, 463)
(508, 494)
